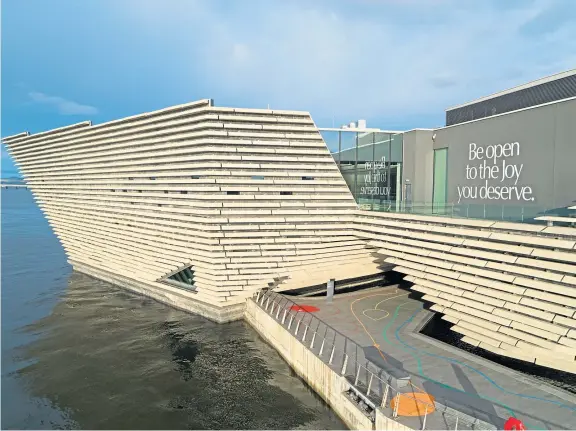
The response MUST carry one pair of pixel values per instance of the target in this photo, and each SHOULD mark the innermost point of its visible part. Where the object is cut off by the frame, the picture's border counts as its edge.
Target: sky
(396, 63)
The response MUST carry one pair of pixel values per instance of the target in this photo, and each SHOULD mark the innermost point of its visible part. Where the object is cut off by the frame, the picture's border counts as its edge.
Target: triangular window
(183, 279)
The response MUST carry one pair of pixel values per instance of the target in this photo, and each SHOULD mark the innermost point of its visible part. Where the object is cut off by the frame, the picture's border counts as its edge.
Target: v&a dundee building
(201, 206)
(509, 156)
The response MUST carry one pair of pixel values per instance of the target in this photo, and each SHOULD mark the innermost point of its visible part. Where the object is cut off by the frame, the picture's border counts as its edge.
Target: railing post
(395, 412)
(262, 299)
(290, 322)
(257, 296)
(272, 308)
(312, 342)
(357, 377)
(331, 355)
(385, 396)
(369, 384)
(267, 304)
(278, 312)
(305, 331)
(321, 347)
(284, 316)
(297, 327)
(456, 426)
(344, 365)
(425, 416)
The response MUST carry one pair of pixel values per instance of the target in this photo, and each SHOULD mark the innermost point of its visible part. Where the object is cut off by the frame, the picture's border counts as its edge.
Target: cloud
(443, 81)
(63, 106)
(550, 20)
(385, 59)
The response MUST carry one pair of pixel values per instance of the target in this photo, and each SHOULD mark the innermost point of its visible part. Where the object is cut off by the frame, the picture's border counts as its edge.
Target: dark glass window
(182, 278)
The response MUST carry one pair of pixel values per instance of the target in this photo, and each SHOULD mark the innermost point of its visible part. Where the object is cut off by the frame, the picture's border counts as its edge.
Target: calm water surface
(81, 353)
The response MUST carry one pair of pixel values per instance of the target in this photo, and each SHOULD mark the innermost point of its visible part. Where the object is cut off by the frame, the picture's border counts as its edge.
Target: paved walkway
(386, 321)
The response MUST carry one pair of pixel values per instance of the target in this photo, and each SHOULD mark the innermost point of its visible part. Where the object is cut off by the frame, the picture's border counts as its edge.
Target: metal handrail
(301, 325)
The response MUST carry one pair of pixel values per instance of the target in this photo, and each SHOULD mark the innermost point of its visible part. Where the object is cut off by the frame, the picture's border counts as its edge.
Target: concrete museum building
(200, 206)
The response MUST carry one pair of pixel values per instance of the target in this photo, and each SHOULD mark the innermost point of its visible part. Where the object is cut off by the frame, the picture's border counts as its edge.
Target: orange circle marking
(413, 404)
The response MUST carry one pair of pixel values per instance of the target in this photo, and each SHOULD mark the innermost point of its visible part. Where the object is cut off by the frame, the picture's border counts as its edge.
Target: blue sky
(396, 63)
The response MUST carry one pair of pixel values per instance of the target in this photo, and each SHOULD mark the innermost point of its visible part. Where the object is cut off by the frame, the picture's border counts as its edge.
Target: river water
(79, 353)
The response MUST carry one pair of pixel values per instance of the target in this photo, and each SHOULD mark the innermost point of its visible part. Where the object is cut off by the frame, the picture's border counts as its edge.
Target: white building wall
(243, 196)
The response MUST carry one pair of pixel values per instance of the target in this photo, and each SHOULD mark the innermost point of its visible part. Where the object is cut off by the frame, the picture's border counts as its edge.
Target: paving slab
(383, 325)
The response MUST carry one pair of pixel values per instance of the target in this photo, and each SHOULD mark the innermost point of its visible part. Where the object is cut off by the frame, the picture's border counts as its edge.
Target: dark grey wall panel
(545, 158)
(564, 166)
(544, 93)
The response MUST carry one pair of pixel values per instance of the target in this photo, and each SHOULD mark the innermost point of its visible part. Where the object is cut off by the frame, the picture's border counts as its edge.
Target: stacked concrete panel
(243, 197)
(509, 288)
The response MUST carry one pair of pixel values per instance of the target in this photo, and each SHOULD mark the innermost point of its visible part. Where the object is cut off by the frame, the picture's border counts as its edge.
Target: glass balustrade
(520, 214)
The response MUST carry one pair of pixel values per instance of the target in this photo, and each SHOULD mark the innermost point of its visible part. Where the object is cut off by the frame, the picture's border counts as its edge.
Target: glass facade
(371, 164)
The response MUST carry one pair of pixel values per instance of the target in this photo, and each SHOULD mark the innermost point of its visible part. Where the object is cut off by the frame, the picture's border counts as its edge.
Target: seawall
(321, 377)
(168, 295)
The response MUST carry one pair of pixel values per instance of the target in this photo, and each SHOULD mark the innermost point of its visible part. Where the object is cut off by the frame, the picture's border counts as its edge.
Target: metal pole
(339, 149)
(284, 316)
(425, 416)
(331, 355)
(321, 347)
(357, 377)
(290, 322)
(387, 168)
(344, 366)
(385, 396)
(313, 338)
(297, 327)
(272, 307)
(305, 331)
(456, 426)
(330, 290)
(369, 384)
(395, 413)
(354, 193)
(373, 159)
(278, 312)
(267, 304)
(257, 296)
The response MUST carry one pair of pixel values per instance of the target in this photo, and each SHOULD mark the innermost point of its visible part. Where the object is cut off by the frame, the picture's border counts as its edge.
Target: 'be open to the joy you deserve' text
(494, 164)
